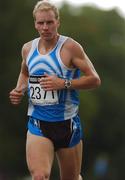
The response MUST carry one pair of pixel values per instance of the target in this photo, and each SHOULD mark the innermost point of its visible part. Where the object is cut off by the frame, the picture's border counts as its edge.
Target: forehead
(45, 15)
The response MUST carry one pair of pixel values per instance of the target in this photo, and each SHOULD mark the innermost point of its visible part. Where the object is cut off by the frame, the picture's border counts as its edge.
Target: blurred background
(102, 35)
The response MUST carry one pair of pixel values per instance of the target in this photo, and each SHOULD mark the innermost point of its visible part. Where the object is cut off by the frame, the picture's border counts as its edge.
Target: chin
(47, 38)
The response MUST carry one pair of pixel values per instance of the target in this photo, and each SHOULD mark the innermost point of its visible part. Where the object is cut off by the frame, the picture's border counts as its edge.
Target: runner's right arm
(17, 93)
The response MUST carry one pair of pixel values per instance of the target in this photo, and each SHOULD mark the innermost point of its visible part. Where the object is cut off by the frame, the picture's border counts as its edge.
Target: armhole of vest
(33, 46)
(63, 39)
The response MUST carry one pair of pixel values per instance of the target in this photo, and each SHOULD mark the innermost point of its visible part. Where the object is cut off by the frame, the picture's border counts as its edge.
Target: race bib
(39, 96)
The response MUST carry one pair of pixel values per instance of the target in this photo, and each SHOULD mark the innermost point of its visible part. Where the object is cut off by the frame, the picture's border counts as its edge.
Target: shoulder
(74, 47)
(26, 49)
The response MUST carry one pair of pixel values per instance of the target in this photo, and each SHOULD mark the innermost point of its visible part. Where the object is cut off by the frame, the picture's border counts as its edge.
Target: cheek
(53, 28)
(37, 27)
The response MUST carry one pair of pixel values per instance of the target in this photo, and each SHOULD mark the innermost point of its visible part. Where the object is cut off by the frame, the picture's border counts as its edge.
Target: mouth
(46, 34)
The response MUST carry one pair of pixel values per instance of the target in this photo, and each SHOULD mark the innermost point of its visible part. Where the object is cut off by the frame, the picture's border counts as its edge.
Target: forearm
(86, 82)
(22, 82)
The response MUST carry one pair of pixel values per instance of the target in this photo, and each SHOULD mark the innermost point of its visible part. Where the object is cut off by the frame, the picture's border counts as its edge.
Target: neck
(47, 45)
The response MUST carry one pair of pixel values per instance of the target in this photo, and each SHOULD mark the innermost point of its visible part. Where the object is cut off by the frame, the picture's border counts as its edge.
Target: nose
(45, 26)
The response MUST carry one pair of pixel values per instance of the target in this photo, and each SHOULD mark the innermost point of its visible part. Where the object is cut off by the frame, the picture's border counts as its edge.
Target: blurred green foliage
(102, 35)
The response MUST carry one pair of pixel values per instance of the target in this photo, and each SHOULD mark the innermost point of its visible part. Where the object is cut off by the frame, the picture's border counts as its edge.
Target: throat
(46, 47)
(44, 50)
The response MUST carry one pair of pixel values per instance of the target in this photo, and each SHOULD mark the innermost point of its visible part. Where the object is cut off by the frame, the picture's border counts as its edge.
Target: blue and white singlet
(54, 105)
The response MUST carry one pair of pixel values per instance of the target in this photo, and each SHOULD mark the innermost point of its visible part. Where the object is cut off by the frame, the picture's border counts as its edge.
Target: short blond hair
(45, 6)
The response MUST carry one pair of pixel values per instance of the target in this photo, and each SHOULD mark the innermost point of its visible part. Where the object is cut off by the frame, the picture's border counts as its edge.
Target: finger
(15, 102)
(14, 98)
(15, 94)
(42, 79)
(46, 75)
(19, 91)
(14, 91)
(48, 89)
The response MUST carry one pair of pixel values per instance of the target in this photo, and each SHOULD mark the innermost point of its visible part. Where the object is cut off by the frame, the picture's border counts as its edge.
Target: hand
(15, 96)
(51, 82)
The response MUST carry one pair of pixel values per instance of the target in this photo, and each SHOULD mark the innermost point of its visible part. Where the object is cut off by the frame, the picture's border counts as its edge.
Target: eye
(40, 23)
(49, 22)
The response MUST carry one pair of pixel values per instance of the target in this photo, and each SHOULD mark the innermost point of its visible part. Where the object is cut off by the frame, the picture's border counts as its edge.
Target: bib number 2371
(40, 97)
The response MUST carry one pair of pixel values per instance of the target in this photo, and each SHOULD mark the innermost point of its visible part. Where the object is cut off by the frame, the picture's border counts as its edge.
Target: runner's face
(46, 24)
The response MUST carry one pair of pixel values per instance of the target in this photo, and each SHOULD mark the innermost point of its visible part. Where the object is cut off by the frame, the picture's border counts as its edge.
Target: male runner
(50, 72)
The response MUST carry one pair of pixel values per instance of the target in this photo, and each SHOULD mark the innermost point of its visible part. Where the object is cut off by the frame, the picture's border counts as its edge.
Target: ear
(58, 23)
(35, 24)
